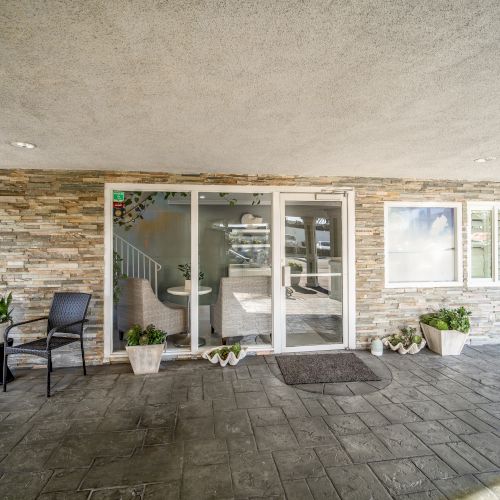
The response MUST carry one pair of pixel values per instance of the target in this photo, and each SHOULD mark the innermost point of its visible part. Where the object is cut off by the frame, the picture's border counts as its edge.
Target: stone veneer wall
(52, 238)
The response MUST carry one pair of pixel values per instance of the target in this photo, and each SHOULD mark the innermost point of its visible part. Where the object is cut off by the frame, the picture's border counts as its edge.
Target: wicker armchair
(140, 306)
(67, 315)
(243, 307)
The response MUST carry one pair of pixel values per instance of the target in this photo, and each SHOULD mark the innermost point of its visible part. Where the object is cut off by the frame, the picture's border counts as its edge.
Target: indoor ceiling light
(25, 145)
(202, 196)
(484, 160)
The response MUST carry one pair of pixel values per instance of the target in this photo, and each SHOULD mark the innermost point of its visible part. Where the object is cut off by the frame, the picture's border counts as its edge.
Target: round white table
(184, 339)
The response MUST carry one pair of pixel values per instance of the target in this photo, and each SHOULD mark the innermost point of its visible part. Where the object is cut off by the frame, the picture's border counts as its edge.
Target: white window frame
(494, 207)
(457, 206)
(195, 190)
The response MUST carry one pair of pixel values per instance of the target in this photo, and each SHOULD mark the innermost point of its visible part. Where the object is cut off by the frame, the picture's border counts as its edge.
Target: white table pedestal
(183, 340)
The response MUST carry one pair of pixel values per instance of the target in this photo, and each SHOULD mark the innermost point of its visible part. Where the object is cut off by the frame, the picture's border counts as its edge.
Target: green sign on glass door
(118, 196)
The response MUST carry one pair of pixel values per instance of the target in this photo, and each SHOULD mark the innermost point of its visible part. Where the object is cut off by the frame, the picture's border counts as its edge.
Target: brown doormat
(323, 368)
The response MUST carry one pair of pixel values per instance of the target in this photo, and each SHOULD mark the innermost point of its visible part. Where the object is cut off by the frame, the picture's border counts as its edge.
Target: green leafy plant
(407, 336)
(117, 276)
(5, 310)
(136, 203)
(295, 267)
(224, 351)
(149, 336)
(185, 269)
(448, 319)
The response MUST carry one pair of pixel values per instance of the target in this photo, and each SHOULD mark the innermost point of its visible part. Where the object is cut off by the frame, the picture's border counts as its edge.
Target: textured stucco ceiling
(363, 87)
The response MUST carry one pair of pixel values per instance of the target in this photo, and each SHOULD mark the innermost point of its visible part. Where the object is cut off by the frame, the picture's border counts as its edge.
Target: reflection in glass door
(312, 259)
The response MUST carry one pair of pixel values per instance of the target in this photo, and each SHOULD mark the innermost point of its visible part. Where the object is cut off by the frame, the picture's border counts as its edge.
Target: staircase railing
(135, 263)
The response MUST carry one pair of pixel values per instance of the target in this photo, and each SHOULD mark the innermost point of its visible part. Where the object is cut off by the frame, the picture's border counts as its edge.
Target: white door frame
(195, 190)
(311, 197)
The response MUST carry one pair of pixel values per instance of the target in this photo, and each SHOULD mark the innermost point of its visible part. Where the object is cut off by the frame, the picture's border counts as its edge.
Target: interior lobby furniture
(243, 307)
(185, 340)
(67, 315)
(139, 305)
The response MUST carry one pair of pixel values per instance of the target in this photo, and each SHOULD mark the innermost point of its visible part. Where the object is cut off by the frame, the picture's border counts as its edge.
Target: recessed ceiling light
(484, 160)
(202, 196)
(25, 145)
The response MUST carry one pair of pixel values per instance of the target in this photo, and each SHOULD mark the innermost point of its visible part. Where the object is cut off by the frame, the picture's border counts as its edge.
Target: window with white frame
(423, 244)
(483, 243)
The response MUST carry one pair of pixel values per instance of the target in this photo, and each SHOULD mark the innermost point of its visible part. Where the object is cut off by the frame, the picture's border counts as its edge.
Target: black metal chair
(67, 315)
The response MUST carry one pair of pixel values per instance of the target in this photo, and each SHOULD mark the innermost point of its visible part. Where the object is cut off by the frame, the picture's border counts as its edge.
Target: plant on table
(5, 309)
(185, 269)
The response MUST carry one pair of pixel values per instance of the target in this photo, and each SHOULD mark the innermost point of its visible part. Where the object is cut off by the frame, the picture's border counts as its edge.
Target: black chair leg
(49, 369)
(83, 357)
(5, 372)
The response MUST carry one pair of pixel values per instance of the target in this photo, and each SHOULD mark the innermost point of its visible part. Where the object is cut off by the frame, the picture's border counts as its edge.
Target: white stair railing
(135, 263)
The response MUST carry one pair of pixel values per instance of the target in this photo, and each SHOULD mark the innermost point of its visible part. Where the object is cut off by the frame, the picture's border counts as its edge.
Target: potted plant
(232, 354)
(446, 330)
(144, 348)
(406, 341)
(295, 268)
(185, 269)
(5, 313)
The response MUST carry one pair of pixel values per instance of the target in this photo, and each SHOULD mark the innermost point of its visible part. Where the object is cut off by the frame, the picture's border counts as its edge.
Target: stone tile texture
(115, 435)
(53, 231)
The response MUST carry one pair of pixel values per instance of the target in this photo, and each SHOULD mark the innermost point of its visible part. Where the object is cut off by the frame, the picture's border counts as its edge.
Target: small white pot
(413, 349)
(145, 358)
(231, 358)
(444, 342)
(187, 285)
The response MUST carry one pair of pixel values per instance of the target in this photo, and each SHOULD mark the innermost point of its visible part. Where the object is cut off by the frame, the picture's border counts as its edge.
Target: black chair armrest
(61, 327)
(9, 328)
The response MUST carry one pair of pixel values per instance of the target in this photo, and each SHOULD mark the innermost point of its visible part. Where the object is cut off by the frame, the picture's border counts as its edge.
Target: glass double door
(274, 265)
(313, 247)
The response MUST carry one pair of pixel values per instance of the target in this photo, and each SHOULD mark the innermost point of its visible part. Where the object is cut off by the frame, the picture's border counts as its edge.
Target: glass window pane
(235, 258)
(421, 244)
(481, 244)
(151, 237)
(313, 250)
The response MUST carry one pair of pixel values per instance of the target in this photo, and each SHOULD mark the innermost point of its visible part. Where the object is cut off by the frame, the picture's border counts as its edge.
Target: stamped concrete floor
(196, 431)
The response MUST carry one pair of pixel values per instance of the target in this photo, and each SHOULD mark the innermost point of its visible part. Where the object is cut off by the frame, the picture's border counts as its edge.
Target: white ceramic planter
(231, 358)
(187, 285)
(444, 342)
(413, 349)
(145, 358)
